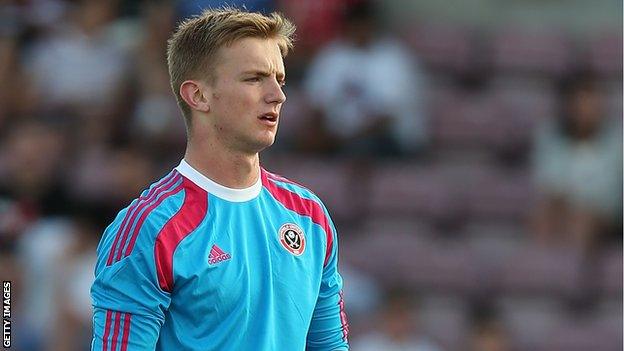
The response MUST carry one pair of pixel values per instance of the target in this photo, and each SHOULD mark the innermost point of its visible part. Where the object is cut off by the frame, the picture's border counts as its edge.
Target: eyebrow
(278, 75)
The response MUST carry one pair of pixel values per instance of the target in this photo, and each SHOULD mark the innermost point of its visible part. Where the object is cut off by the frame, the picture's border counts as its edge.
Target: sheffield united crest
(292, 239)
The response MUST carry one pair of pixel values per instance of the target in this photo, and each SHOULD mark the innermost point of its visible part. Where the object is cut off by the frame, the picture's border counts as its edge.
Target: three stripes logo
(217, 255)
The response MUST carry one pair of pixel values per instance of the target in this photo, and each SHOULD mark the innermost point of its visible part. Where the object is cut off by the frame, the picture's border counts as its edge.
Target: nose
(275, 93)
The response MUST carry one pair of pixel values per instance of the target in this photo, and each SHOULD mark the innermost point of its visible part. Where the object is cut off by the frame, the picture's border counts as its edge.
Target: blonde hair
(192, 48)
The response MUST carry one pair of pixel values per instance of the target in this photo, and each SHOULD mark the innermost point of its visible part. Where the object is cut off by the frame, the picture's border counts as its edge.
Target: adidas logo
(217, 255)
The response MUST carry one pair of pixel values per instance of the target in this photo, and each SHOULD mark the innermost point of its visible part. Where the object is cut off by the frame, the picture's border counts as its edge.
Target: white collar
(212, 187)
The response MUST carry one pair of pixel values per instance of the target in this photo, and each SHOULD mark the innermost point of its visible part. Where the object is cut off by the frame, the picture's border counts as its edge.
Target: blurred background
(470, 153)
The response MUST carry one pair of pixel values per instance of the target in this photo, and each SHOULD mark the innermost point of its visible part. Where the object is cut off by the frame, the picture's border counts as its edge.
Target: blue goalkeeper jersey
(193, 265)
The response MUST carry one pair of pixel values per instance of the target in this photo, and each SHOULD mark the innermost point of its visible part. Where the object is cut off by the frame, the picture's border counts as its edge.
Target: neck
(229, 168)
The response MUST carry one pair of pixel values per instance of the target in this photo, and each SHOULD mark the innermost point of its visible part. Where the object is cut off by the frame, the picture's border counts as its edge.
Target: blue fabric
(259, 297)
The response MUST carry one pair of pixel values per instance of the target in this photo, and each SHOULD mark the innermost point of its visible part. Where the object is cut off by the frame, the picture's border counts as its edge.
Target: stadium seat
(443, 267)
(583, 335)
(411, 190)
(524, 51)
(537, 270)
(467, 122)
(444, 318)
(531, 100)
(499, 194)
(441, 46)
(370, 248)
(529, 320)
(610, 272)
(418, 262)
(487, 121)
(605, 54)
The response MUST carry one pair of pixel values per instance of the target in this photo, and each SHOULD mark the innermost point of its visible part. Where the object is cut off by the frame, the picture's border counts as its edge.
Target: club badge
(292, 239)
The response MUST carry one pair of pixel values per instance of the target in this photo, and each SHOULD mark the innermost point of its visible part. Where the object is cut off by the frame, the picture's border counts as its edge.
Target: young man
(221, 254)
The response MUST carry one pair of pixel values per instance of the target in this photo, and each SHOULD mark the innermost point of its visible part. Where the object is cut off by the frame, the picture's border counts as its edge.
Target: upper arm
(329, 326)
(129, 305)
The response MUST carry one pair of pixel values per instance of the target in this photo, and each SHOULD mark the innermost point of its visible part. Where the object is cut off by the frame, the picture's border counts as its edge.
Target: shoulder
(159, 208)
(280, 187)
(299, 199)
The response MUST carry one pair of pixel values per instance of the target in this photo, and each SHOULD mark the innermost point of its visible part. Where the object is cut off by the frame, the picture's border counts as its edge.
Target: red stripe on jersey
(126, 332)
(116, 332)
(176, 229)
(302, 206)
(282, 179)
(343, 318)
(147, 211)
(147, 207)
(107, 326)
(134, 209)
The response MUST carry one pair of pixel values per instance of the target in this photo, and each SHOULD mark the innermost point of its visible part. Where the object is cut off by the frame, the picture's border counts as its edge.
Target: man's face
(247, 94)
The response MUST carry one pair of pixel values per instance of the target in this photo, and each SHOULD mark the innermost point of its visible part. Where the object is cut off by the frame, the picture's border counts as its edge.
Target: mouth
(269, 119)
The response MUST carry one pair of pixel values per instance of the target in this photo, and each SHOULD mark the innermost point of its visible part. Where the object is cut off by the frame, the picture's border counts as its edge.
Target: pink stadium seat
(529, 320)
(605, 54)
(441, 46)
(610, 274)
(537, 270)
(499, 194)
(531, 100)
(445, 319)
(399, 189)
(442, 268)
(460, 120)
(486, 121)
(582, 336)
(417, 262)
(380, 253)
(524, 51)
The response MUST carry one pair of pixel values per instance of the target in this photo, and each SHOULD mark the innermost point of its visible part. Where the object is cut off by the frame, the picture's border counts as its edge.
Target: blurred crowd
(474, 174)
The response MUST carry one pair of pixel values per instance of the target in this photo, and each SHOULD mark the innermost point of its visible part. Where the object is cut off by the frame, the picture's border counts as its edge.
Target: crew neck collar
(216, 189)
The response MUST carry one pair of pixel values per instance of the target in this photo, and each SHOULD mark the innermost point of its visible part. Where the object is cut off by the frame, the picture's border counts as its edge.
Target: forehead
(251, 53)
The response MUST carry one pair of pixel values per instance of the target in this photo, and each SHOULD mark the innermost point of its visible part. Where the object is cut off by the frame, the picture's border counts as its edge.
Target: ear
(195, 94)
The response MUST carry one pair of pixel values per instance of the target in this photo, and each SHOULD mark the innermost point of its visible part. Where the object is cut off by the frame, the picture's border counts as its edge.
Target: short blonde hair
(192, 48)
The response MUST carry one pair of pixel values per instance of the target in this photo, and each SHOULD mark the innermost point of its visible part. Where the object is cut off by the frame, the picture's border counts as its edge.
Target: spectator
(488, 334)
(41, 248)
(397, 328)
(11, 269)
(365, 89)
(81, 68)
(156, 120)
(578, 164)
(106, 178)
(14, 103)
(318, 21)
(30, 173)
(72, 328)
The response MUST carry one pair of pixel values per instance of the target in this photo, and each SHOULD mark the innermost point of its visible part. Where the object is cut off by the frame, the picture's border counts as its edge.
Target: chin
(268, 144)
(263, 143)
(268, 138)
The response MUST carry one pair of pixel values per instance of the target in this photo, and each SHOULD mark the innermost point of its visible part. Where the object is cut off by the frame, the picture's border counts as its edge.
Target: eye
(252, 79)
